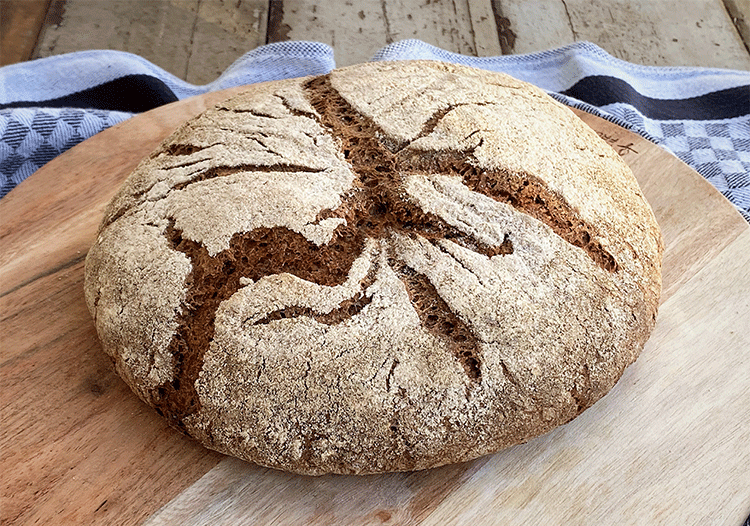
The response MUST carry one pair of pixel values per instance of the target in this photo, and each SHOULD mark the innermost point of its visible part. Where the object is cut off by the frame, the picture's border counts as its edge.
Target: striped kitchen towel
(49, 105)
(701, 115)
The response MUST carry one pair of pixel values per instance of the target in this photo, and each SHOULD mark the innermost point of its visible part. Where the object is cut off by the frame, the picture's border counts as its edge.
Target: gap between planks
(358, 29)
(664, 33)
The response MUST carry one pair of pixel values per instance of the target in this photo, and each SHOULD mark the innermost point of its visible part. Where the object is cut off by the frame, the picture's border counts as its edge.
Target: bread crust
(391, 267)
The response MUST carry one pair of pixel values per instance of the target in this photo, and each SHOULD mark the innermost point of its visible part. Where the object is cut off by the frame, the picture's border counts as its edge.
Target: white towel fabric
(701, 115)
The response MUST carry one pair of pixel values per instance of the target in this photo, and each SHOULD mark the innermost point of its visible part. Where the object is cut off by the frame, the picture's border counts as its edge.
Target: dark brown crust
(437, 318)
(252, 255)
(523, 192)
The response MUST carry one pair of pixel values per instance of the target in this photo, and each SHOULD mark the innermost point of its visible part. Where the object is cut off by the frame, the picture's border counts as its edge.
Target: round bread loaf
(390, 267)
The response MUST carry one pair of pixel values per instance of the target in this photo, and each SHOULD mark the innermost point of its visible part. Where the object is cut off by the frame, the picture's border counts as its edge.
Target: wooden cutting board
(669, 445)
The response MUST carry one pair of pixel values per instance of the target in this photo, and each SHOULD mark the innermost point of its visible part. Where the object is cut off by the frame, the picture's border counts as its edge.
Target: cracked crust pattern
(391, 267)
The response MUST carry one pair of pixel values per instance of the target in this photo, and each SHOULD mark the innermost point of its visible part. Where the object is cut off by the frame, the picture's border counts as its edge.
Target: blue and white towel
(701, 115)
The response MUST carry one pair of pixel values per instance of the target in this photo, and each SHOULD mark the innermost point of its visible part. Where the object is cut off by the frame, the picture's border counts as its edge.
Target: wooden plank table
(197, 39)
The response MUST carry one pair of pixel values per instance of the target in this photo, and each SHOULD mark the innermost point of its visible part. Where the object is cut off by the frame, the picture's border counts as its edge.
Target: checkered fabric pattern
(31, 137)
(720, 151)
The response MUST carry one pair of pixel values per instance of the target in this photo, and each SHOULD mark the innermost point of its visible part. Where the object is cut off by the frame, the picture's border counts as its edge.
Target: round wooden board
(669, 445)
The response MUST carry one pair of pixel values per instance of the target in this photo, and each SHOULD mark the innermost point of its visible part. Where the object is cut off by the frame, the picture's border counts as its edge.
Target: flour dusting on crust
(391, 267)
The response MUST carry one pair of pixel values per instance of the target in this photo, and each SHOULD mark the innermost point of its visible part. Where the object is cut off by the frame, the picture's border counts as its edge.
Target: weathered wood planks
(663, 33)
(357, 29)
(20, 23)
(197, 39)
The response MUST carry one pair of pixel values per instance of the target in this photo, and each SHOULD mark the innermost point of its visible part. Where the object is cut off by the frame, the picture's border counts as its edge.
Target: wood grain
(20, 23)
(195, 40)
(660, 448)
(67, 458)
(484, 27)
(668, 443)
(663, 33)
(739, 12)
(358, 28)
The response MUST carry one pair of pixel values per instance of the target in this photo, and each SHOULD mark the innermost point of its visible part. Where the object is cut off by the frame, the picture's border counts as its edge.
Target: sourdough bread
(391, 267)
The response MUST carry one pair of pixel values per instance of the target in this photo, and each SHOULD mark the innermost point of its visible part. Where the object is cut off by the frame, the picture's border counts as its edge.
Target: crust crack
(374, 208)
(212, 280)
(346, 309)
(223, 171)
(524, 192)
(437, 318)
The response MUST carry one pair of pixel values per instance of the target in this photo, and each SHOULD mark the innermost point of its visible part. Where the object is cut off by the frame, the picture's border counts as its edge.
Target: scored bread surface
(391, 267)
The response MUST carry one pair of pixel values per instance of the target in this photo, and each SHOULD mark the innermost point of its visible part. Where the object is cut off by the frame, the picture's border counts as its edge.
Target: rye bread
(391, 267)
